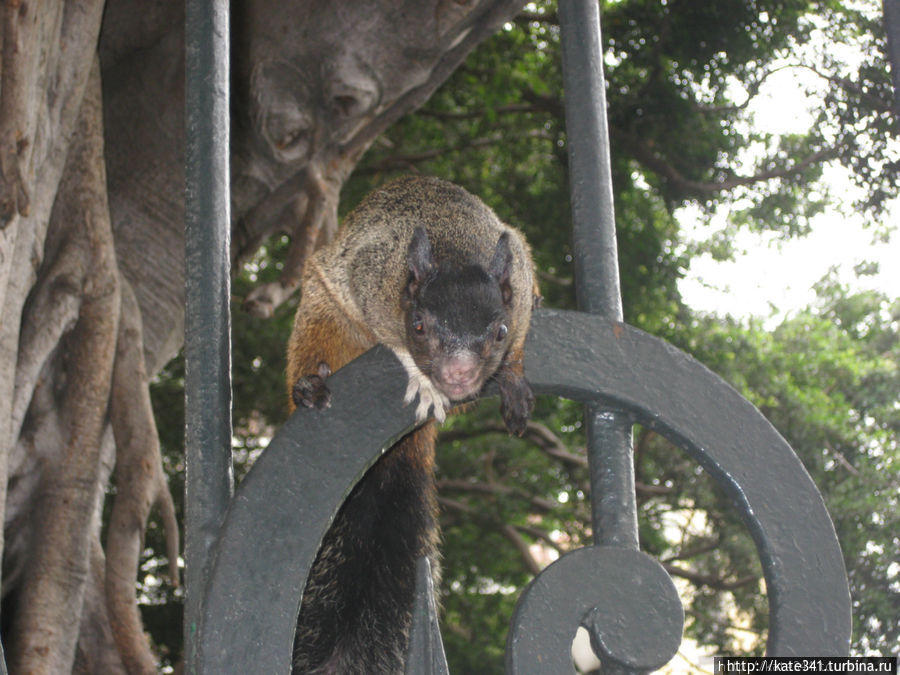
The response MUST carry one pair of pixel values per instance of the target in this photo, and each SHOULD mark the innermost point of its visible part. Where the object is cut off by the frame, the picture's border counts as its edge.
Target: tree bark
(45, 630)
(52, 46)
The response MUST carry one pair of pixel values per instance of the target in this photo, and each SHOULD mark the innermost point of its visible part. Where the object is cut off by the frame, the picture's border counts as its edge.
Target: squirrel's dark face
(457, 318)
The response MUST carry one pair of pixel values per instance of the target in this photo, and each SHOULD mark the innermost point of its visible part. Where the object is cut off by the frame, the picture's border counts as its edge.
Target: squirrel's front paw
(310, 391)
(516, 403)
(429, 396)
(419, 383)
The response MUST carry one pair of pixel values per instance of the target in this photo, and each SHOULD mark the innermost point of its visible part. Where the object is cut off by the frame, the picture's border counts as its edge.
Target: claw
(421, 385)
(311, 391)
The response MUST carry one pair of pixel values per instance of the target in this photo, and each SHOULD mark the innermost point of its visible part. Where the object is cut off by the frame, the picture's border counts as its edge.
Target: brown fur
(322, 332)
(375, 236)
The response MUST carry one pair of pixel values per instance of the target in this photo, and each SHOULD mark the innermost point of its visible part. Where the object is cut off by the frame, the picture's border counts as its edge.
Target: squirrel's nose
(460, 369)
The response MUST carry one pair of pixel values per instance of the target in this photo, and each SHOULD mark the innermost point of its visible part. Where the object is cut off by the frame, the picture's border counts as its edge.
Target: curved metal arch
(262, 559)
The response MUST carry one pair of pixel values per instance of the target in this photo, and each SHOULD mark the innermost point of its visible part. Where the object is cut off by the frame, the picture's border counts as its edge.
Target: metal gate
(246, 570)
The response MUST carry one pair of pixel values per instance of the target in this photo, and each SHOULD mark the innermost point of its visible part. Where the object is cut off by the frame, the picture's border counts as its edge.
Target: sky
(771, 278)
(773, 274)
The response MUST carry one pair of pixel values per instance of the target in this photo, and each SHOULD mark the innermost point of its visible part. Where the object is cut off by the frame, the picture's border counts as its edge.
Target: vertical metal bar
(209, 473)
(610, 453)
(892, 30)
(611, 460)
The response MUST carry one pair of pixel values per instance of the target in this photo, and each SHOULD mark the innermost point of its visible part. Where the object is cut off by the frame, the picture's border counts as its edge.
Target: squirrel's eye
(419, 326)
(502, 330)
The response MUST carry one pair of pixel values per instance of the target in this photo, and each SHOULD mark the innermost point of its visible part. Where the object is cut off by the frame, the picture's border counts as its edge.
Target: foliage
(680, 76)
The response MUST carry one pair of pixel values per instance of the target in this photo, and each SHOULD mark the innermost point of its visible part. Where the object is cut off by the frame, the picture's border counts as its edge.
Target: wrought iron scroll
(287, 501)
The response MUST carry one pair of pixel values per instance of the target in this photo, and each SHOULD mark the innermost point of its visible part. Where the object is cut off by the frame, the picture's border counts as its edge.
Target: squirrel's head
(457, 318)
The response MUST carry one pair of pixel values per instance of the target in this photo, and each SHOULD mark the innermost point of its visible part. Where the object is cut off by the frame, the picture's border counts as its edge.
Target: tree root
(82, 326)
(316, 225)
(97, 652)
(52, 312)
(47, 624)
(140, 483)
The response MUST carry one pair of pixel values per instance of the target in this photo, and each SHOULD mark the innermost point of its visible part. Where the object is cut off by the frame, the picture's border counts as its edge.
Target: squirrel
(427, 269)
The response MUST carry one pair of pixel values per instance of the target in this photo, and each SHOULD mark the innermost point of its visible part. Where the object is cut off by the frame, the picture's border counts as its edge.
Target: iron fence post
(208, 467)
(614, 508)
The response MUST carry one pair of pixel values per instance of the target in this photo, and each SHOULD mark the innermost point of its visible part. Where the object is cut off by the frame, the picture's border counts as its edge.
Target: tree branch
(316, 224)
(549, 443)
(658, 165)
(847, 85)
(496, 489)
(535, 432)
(752, 91)
(409, 161)
(525, 18)
(481, 23)
(709, 581)
(510, 108)
(711, 545)
(647, 157)
(839, 456)
(555, 279)
(508, 531)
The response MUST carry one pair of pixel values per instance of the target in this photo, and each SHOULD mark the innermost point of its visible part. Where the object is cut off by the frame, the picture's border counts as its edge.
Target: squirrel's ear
(419, 258)
(500, 264)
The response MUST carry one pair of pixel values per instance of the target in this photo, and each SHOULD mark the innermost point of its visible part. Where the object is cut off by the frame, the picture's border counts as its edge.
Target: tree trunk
(91, 258)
